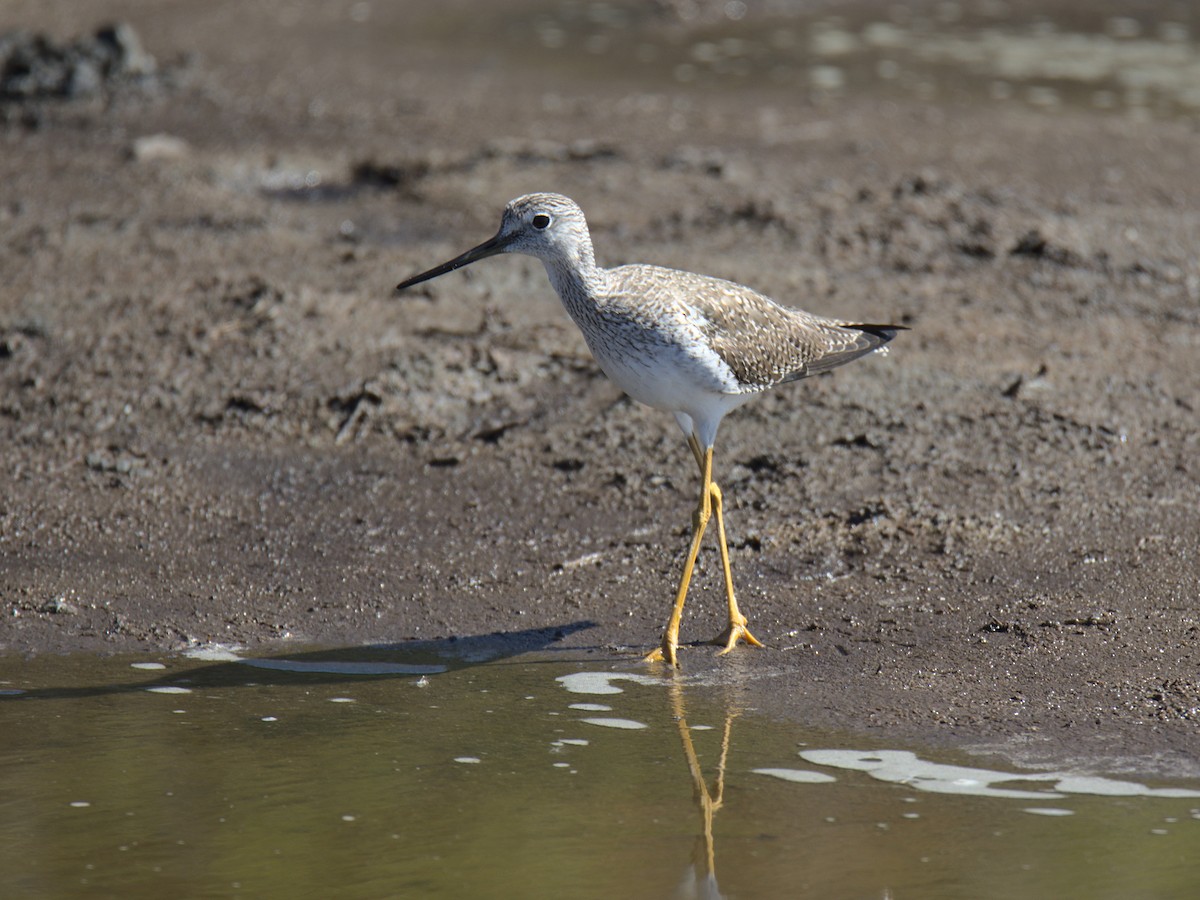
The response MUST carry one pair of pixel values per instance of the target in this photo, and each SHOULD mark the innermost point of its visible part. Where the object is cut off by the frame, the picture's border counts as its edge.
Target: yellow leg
(710, 502)
(670, 641)
(737, 630)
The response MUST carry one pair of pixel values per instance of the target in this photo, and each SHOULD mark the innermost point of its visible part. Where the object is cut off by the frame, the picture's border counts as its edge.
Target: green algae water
(389, 772)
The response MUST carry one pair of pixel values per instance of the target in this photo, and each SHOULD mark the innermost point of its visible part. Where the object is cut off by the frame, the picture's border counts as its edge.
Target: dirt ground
(217, 423)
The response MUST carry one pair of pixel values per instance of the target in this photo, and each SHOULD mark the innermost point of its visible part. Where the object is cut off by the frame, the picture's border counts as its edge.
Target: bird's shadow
(330, 666)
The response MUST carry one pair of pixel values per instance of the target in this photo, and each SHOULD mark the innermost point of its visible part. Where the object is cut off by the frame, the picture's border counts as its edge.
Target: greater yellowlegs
(694, 346)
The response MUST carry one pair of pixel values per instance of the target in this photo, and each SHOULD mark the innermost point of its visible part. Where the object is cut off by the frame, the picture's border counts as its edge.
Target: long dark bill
(488, 248)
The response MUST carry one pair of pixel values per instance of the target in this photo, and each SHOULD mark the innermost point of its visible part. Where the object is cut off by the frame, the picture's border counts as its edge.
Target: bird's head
(548, 226)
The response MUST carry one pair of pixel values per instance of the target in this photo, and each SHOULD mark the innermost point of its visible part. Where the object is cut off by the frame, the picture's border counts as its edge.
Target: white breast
(674, 376)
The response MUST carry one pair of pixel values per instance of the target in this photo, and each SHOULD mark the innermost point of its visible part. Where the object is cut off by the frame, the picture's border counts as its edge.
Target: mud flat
(217, 424)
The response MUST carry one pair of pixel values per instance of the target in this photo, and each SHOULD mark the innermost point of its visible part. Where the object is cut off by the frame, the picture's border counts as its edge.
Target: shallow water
(393, 772)
(1138, 62)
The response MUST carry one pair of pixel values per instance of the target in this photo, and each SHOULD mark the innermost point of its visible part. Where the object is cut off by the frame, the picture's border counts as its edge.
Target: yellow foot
(665, 653)
(730, 636)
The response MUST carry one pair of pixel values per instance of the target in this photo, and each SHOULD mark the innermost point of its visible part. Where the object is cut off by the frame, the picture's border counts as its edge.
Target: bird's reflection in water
(700, 880)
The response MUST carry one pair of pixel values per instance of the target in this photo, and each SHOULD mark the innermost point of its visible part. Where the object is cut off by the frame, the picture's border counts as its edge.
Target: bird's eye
(541, 221)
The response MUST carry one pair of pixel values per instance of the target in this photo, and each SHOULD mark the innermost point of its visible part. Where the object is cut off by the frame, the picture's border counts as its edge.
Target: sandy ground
(218, 424)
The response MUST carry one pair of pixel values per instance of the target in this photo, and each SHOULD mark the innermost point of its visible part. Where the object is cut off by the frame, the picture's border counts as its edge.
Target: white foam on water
(804, 776)
(573, 742)
(601, 682)
(591, 707)
(1108, 787)
(342, 700)
(471, 760)
(1048, 811)
(214, 653)
(80, 804)
(269, 719)
(628, 724)
(168, 689)
(147, 665)
(903, 767)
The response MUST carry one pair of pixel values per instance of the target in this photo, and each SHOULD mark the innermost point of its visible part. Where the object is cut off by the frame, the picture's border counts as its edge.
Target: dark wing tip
(869, 338)
(883, 332)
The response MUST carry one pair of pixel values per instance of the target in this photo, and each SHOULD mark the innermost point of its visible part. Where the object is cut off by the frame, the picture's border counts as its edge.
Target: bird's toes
(665, 653)
(729, 638)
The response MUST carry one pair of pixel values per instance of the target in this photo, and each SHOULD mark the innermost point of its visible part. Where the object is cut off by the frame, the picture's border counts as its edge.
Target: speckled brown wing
(761, 342)
(765, 344)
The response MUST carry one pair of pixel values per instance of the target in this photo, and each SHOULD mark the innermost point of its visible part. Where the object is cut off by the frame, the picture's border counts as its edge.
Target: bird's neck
(578, 282)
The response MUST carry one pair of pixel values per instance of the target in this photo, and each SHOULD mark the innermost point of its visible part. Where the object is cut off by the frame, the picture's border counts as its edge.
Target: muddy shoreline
(218, 425)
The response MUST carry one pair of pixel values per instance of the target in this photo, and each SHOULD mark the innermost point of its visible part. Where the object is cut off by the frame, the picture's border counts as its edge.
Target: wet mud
(217, 424)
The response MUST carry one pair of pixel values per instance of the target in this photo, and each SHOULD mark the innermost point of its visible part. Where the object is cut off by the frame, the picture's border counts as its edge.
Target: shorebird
(691, 345)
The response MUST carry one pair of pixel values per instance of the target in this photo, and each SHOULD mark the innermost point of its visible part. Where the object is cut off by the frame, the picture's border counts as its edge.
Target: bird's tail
(869, 339)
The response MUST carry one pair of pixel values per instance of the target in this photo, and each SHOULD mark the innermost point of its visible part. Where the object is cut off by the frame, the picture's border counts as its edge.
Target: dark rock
(33, 67)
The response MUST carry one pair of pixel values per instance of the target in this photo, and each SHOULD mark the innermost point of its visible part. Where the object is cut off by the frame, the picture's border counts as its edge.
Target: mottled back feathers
(763, 343)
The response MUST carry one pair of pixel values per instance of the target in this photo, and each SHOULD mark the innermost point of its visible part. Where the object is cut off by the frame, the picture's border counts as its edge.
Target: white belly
(691, 380)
